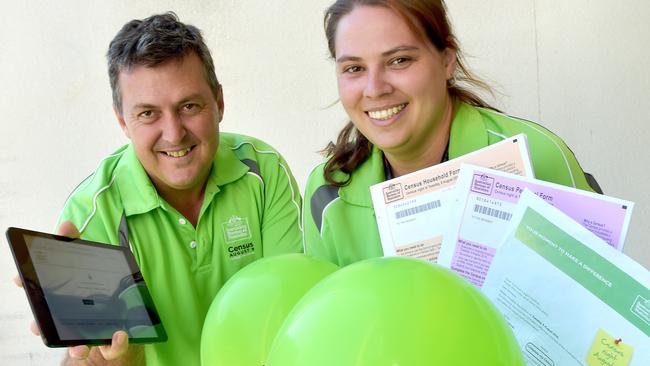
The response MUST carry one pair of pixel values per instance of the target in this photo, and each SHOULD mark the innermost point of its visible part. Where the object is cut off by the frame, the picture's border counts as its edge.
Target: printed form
(485, 200)
(412, 211)
(570, 298)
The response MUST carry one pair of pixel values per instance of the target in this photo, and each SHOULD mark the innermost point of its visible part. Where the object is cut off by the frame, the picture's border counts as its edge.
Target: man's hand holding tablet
(84, 293)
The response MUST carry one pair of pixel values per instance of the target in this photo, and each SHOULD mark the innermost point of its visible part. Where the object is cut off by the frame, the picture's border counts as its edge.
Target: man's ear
(220, 103)
(120, 120)
(449, 61)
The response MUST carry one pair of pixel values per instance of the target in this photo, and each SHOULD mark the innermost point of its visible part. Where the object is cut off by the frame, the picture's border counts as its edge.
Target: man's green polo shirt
(251, 209)
(339, 223)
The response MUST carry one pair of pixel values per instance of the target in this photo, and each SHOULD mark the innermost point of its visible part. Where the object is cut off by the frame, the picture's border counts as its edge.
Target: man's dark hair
(153, 41)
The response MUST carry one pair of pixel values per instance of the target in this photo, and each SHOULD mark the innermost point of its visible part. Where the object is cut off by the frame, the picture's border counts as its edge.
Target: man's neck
(187, 203)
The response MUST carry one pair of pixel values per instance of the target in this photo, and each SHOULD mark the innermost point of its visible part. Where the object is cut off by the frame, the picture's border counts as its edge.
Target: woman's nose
(376, 84)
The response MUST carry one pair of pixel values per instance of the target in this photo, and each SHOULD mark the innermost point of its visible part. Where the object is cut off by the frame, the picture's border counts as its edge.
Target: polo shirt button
(193, 244)
(182, 221)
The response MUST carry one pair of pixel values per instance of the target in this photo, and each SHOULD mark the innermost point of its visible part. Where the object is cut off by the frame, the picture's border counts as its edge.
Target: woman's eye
(352, 69)
(400, 61)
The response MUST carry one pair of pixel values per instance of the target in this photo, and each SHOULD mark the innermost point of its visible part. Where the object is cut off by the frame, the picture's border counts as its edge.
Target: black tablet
(81, 292)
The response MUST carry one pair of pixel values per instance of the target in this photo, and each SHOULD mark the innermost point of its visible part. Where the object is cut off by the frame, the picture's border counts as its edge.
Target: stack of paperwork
(548, 256)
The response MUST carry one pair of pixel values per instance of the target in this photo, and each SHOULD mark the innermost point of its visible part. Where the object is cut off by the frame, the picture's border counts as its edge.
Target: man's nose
(173, 128)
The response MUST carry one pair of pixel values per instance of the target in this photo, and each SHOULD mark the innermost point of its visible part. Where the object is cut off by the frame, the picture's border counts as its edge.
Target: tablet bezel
(36, 297)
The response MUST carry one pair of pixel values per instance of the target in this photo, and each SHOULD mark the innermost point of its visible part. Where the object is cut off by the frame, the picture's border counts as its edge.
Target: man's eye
(145, 114)
(190, 107)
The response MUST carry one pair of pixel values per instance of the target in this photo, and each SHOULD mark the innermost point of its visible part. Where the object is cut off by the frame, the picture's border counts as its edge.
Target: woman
(403, 84)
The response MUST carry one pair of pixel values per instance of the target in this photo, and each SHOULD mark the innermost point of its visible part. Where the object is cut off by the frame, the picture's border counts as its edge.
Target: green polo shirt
(251, 209)
(339, 223)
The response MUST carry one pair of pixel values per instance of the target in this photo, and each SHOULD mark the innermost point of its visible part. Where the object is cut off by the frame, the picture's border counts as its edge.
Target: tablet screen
(85, 291)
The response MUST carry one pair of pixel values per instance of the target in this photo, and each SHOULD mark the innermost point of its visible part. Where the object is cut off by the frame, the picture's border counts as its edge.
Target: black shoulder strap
(593, 183)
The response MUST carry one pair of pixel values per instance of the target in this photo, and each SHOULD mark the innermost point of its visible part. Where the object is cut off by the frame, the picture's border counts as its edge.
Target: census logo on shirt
(236, 230)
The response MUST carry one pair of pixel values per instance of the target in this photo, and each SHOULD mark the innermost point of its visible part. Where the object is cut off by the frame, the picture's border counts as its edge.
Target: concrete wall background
(579, 67)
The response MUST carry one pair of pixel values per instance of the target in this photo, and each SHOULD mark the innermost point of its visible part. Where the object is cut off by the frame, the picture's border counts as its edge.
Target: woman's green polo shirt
(339, 223)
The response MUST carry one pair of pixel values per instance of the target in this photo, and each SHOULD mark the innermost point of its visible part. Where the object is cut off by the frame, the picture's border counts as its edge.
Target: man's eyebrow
(192, 97)
(345, 58)
(189, 98)
(144, 106)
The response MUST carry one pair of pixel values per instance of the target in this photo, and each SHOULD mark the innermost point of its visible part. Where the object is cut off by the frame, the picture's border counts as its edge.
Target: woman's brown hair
(428, 20)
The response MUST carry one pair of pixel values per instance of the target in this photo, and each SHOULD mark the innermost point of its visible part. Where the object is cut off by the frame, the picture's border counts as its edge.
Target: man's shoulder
(95, 196)
(246, 146)
(102, 177)
(258, 155)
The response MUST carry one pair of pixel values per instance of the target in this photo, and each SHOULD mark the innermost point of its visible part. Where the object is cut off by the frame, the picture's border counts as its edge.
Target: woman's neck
(430, 153)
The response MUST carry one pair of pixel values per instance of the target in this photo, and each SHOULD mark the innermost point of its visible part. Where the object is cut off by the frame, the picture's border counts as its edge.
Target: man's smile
(178, 153)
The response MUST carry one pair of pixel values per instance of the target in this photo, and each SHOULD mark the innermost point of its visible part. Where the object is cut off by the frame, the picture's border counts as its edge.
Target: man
(194, 205)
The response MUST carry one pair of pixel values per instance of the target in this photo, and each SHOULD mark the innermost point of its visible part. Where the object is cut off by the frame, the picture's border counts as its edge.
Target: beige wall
(576, 66)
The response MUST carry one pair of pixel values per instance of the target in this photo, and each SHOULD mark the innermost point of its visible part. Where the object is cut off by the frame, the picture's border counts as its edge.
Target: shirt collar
(226, 168)
(139, 195)
(468, 132)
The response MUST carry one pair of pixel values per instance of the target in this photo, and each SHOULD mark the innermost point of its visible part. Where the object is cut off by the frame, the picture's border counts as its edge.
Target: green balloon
(394, 312)
(244, 317)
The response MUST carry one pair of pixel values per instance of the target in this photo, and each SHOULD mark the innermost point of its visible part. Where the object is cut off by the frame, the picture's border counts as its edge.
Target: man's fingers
(119, 343)
(34, 328)
(79, 352)
(18, 281)
(118, 347)
(68, 229)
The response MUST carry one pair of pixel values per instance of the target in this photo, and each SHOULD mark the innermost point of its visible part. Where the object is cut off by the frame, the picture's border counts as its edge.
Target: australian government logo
(237, 234)
(393, 192)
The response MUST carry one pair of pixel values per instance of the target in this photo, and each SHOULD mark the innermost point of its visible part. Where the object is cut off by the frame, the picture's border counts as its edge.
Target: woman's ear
(449, 61)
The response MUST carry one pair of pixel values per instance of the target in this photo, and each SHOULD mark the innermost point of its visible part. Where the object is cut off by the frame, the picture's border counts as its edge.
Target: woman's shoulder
(552, 158)
(369, 171)
(501, 125)
(316, 176)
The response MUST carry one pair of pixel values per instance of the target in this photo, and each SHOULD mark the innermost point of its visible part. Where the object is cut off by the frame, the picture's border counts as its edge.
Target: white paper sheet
(412, 210)
(485, 200)
(570, 298)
